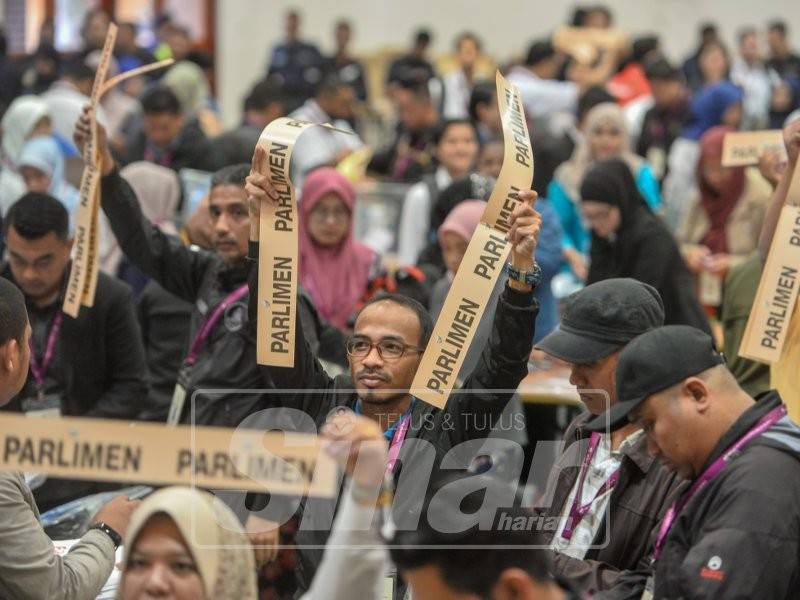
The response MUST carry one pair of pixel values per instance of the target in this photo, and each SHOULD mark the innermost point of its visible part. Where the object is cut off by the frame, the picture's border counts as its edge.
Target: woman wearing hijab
(723, 219)
(715, 104)
(26, 117)
(186, 544)
(41, 165)
(628, 240)
(606, 137)
(334, 268)
(188, 82)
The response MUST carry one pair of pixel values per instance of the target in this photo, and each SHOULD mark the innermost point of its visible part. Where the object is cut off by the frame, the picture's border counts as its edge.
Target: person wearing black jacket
(389, 337)
(628, 240)
(90, 366)
(225, 358)
(735, 532)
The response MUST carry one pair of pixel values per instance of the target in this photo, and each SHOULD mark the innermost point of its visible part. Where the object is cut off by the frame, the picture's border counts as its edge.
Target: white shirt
(457, 91)
(756, 82)
(319, 146)
(544, 97)
(604, 463)
(415, 218)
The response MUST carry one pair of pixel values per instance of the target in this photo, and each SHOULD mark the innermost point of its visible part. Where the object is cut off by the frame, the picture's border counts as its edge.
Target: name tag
(44, 406)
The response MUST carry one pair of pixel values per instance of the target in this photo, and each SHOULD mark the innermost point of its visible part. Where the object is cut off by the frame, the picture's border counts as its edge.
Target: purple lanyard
(767, 421)
(202, 336)
(397, 441)
(578, 511)
(39, 370)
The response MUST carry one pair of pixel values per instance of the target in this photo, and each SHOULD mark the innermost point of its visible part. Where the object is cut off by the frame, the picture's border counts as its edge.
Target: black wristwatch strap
(109, 531)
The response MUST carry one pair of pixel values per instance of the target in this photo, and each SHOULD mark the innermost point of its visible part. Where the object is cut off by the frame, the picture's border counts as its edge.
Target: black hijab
(611, 182)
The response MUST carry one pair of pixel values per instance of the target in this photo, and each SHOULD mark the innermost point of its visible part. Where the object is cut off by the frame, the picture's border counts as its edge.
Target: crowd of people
(635, 261)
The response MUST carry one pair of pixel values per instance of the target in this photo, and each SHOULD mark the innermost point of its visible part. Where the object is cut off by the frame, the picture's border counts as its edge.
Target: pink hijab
(463, 219)
(337, 277)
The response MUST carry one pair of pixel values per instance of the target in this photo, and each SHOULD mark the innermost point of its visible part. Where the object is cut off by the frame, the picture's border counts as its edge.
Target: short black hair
(263, 94)
(644, 45)
(473, 570)
(331, 84)
(424, 317)
(708, 29)
(35, 215)
(231, 175)
(779, 27)
(13, 315)
(422, 37)
(468, 35)
(159, 100)
(443, 126)
(418, 87)
(3, 42)
(662, 70)
(538, 51)
(482, 93)
(77, 70)
(592, 97)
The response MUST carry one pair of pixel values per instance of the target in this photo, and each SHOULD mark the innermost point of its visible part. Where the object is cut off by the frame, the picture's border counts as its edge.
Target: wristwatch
(532, 277)
(109, 531)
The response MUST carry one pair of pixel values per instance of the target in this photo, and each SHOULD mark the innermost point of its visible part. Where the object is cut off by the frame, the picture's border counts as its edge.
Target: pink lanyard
(767, 421)
(397, 441)
(39, 370)
(202, 336)
(578, 511)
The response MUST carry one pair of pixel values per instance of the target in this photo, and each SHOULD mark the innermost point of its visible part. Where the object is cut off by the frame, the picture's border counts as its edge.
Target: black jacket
(432, 433)
(100, 359)
(227, 362)
(739, 536)
(645, 250)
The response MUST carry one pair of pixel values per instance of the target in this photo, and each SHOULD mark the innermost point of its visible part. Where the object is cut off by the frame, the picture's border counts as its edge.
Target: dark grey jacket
(642, 495)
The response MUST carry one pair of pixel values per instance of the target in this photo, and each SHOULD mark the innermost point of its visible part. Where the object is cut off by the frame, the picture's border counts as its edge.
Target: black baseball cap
(602, 318)
(653, 362)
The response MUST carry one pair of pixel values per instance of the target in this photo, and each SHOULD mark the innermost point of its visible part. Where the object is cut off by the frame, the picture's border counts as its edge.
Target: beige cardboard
(83, 273)
(744, 148)
(768, 325)
(137, 452)
(481, 266)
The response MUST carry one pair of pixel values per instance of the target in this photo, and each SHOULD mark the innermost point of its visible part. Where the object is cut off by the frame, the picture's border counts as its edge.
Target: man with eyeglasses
(389, 337)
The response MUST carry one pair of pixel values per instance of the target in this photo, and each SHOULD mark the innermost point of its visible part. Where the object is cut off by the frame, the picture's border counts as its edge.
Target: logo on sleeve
(713, 569)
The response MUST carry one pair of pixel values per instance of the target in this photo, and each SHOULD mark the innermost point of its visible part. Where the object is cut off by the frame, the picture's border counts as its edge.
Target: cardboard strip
(83, 273)
(278, 250)
(744, 148)
(135, 452)
(82, 283)
(483, 262)
(768, 325)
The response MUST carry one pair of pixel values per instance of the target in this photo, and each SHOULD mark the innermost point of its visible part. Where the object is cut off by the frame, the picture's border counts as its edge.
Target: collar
(442, 177)
(634, 447)
(746, 421)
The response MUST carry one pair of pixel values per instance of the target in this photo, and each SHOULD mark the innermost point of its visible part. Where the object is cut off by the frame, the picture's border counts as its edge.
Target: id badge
(176, 406)
(647, 594)
(389, 582)
(45, 406)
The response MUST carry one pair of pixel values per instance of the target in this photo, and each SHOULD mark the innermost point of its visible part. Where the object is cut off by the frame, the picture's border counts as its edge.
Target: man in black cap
(621, 492)
(735, 532)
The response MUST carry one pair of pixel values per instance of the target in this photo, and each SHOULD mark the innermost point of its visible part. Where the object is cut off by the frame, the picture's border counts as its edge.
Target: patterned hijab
(213, 536)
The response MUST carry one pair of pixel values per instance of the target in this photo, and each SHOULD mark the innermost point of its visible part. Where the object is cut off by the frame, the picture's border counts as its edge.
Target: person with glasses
(335, 268)
(384, 353)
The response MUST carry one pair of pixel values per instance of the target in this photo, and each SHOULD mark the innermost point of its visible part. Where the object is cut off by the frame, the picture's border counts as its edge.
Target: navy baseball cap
(653, 362)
